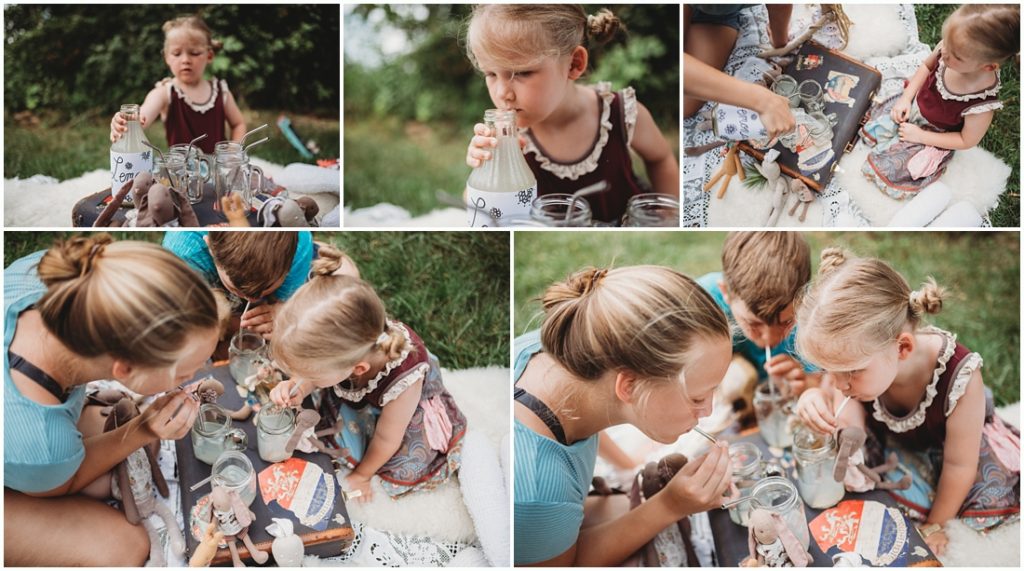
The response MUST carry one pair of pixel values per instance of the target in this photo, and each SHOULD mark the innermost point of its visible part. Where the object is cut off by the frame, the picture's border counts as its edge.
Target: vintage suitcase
(324, 533)
(833, 70)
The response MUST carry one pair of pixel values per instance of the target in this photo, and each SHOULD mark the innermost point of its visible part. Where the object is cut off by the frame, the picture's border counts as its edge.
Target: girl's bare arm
(391, 426)
(234, 116)
(652, 147)
(960, 452)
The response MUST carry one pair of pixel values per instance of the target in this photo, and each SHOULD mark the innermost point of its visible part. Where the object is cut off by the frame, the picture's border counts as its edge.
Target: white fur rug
(967, 548)
(43, 201)
(483, 395)
(386, 214)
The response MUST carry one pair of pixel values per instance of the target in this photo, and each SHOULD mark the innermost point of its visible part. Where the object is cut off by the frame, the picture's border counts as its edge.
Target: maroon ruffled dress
(186, 119)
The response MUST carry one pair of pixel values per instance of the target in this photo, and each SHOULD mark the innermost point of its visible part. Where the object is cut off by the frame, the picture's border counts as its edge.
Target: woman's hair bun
(72, 258)
(576, 286)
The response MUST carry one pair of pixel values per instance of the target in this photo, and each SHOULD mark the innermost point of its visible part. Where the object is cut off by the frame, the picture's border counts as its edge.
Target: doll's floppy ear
(796, 552)
(241, 510)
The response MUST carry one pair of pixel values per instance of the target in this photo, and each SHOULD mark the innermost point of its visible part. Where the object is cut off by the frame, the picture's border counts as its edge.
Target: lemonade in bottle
(504, 187)
(128, 156)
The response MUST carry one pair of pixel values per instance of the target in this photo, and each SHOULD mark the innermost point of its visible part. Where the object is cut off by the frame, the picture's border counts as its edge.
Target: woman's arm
(702, 81)
(652, 147)
(391, 426)
(778, 23)
(961, 451)
(106, 450)
(236, 122)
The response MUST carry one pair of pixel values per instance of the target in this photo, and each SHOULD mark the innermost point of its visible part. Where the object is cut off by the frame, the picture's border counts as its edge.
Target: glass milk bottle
(274, 428)
(128, 156)
(504, 185)
(815, 463)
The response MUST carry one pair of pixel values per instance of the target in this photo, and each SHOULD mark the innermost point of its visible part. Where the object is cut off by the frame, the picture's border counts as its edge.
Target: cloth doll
(861, 478)
(772, 544)
(804, 195)
(233, 518)
(210, 389)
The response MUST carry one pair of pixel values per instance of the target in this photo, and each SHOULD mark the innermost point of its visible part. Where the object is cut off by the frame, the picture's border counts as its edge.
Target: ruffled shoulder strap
(629, 112)
(961, 377)
(573, 171)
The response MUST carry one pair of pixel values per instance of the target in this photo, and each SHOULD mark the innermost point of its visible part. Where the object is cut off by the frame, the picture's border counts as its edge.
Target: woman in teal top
(643, 345)
(90, 309)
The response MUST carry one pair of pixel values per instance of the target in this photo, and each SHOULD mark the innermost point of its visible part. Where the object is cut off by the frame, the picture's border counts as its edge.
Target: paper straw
(841, 405)
(768, 357)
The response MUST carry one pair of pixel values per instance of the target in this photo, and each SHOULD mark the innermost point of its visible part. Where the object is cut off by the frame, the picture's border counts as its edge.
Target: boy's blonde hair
(254, 261)
(988, 33)
(644, 319)
(856, 307)
(333, 321)
(130, 300)
(196, 27)
(767, 270)
(505, 31)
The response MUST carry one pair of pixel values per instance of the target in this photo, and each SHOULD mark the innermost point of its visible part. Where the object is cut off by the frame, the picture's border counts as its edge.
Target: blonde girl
(919, 389)
(370, 375)
(189, 105)
(949, 103)
(531, 56)
(643, 345)
(88, 309)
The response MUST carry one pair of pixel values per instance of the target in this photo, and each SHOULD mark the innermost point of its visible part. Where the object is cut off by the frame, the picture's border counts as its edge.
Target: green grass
(981, 270)
(407, 164)
(67, 149)
(1003, 137)
(450, 287)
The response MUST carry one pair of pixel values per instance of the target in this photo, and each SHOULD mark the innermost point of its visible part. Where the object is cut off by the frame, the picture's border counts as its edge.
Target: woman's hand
(356, 482)
(260, 319)
(700, 484)
(170, 417)
(901, 110)
(815, 409)
(482, 144)
(280, 394)
(775, 113)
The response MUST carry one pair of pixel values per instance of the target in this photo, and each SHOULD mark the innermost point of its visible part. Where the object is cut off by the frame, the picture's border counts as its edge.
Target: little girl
(918, 386)
(531, 56)
(387, 411)
(947, 105)
(189, 105)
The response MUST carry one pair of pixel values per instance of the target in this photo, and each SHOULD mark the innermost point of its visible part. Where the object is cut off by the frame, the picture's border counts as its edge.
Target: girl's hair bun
(927, 299)
(72, 259)
(831, 259)
(603, 26)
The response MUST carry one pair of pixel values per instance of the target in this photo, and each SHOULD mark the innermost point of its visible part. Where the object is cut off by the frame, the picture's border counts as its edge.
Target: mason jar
(274, 427)
(780, 496)
(552, 210)
(746, 472)
(652, 210)
(212, 434)
(246, 351)
(815, 456)
(234, 471)
(772, 413)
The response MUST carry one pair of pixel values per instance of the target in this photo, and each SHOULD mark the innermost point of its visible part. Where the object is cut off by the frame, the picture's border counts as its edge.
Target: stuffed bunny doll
(805, 196)
(776, 183)
(772, 544)
(233, 518)
(136, 480)
(210, 389)
(861, 478)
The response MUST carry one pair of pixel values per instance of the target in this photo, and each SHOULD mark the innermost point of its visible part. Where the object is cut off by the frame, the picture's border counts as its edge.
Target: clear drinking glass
(274, 427)
(212, 434)
(746, 472)
(234, 471)
(551, 210)
(651, 210)
(815, 456)
(772, 412)
(197, 168)
(779, 495)
(246, 349)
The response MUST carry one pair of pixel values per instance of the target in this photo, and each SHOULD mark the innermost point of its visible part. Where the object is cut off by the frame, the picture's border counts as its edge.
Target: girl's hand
(356, 482)
(482, 144)
(911, 133)
(170, 417)
(776, 114)
(119, 126)
(815, 409)
(234, 209)
(260, 319)
(280, 394)
(937, 541)
(700, 484)
(901, 110)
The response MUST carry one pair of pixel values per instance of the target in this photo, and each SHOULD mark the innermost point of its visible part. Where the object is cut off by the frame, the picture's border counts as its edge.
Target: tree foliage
(434, 81)
(76, 58)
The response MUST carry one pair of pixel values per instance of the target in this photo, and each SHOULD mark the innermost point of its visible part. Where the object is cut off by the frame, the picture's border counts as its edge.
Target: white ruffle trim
(590, 162)
(220, 86)
(915, 419)
(982, 108)
(356, 395)
(629, 111)
(410, 379)
(971, 363)
(950, 96)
